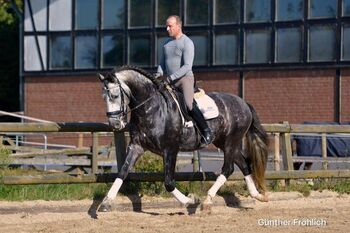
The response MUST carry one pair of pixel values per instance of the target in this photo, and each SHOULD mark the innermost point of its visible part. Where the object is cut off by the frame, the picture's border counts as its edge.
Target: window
(257, 46)
(197, 12)
(166, 8)
(226, 11)
(323, 8)
(39, 13)
(289, 10)
(346, 42)
(86, 14)
(201, 49)
(140, 13)
(85, 52)
(60, 52)
(140, 50)
(32, 57)
(288, 45)
(60, 12)
(257, 11)
(161, 39)
(113, 14)
(346, 7)
(112, 50)
(322, 43)
(226, 48)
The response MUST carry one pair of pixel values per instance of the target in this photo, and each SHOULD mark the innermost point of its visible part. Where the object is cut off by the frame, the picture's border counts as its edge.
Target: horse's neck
(141, 90)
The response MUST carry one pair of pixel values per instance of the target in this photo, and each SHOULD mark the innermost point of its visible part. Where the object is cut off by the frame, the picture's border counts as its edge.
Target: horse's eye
(115, 95)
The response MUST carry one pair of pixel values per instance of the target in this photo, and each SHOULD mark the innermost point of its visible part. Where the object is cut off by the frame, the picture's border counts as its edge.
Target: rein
(139, 105)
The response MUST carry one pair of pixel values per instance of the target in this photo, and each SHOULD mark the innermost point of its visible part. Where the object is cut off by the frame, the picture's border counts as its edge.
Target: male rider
(176, 65)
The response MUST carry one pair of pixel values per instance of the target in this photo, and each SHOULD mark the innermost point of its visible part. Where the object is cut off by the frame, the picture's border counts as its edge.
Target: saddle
(205, 103)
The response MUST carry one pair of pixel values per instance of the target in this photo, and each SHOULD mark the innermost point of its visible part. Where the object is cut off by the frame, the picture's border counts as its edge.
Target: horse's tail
(257, 143)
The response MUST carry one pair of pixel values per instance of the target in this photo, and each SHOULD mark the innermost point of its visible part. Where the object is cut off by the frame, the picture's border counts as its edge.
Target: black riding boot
(197, 115)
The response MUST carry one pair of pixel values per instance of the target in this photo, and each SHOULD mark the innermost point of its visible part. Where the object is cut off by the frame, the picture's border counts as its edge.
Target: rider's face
(173, 27)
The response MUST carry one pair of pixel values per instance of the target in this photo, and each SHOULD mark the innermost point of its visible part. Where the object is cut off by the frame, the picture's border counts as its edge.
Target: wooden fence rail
(62, 178)
(282, 136)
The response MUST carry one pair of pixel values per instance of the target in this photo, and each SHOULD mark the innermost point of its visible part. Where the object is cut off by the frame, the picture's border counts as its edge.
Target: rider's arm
(161, 66)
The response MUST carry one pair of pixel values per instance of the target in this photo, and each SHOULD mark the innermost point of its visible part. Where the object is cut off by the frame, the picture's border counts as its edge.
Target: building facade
(289, 58)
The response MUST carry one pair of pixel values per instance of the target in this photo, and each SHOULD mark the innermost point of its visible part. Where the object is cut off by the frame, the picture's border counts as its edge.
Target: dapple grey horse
(155, 124)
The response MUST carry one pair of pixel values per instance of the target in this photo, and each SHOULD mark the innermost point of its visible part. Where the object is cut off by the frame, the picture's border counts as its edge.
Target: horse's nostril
(116, 124)
(112, 122)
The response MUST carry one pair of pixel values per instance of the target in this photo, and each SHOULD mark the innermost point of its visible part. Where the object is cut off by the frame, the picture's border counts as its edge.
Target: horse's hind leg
(243, 164)
(233, 155)
(226, 171)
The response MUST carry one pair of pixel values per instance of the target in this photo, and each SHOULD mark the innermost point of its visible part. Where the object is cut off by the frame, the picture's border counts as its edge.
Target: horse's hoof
(206, 207)
(194, 199)
(105, 206)
(262, 198)
(207, 204)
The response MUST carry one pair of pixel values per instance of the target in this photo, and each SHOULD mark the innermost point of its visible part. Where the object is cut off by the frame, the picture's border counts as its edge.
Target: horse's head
(117, 96)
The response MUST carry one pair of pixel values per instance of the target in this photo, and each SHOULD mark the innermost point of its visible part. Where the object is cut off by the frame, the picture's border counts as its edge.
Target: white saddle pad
(207, 105)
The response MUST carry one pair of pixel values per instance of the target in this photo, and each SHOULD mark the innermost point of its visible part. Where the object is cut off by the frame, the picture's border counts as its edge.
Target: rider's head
(174, 26)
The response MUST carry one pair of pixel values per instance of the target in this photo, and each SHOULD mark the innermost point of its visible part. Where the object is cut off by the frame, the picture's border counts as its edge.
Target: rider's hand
(156, 75)
(161, 84)
(166, 79)
(162, 81)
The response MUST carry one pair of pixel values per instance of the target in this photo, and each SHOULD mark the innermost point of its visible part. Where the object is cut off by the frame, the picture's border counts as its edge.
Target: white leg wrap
(217, 185)
(251, 186)
(112, 193)
(180, 197)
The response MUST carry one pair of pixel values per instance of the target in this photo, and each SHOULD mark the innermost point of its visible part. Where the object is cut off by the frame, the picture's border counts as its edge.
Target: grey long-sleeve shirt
(177, 58)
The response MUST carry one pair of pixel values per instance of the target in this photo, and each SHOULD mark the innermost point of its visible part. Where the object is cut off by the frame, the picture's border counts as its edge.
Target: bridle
(123, 93)
(123, 110)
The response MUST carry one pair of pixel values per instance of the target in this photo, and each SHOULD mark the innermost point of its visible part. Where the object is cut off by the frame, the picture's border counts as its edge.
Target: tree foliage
(7, 15)
(9, 57)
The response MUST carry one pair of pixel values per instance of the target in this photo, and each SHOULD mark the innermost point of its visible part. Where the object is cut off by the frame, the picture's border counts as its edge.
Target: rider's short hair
(177, 18)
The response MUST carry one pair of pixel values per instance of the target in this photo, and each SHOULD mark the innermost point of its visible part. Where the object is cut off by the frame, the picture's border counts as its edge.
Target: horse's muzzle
(117, 124)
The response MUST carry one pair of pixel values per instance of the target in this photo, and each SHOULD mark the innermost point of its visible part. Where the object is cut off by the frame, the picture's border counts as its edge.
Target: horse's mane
(137, 69)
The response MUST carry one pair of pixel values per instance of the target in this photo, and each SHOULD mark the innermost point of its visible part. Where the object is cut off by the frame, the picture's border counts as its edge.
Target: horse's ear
(100, 77)
(110, 78)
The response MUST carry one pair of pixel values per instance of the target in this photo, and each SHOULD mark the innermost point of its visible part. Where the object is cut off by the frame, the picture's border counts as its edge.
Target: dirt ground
(285, 212)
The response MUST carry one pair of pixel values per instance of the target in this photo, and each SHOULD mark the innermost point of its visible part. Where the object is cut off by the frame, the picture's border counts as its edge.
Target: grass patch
(231, 187)
(4, 157)
(52, 192)
(303, 188)
(149, 162)
(339, 185)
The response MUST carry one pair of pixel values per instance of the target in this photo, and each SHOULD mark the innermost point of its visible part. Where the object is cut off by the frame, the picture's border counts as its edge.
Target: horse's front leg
(134, 150)
(169, 175)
